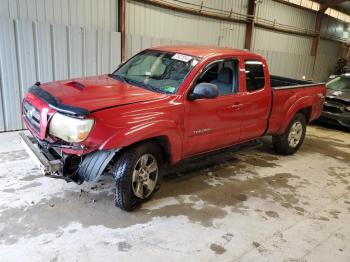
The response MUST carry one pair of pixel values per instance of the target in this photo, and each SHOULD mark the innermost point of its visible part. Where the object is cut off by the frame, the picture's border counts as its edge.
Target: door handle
(236, 106)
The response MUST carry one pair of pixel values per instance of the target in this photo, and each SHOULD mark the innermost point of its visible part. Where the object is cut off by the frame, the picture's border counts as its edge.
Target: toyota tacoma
(163, 105)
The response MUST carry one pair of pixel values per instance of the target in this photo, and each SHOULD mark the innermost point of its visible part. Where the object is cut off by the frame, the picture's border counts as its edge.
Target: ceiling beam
(202, 13)
(217, 16)
(331, 4)
(325, 5)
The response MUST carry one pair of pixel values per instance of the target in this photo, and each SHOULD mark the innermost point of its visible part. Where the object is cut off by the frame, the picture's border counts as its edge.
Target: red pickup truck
(163, 105)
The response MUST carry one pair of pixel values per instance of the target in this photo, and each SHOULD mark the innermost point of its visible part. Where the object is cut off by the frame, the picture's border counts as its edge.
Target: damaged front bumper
(68, 167)
(342, 119)
(335, 111)
(46, 165)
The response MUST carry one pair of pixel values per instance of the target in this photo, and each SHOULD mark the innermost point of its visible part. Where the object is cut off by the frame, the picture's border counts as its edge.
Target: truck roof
(204, 51)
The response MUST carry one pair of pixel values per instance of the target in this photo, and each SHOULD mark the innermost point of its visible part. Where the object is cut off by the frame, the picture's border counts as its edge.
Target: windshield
(156, 70)
(339, 83)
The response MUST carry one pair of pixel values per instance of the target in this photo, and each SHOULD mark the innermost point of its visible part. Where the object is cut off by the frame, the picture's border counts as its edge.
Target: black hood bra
(54, 103)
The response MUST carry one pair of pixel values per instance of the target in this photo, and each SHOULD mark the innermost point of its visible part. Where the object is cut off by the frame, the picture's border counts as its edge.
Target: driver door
(212, 124)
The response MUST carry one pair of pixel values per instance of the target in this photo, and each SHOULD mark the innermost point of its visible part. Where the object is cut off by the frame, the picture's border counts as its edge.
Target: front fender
(161, 128)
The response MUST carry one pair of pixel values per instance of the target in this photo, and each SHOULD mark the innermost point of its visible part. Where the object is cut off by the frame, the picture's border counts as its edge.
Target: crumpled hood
(339, 94)
(93, 93)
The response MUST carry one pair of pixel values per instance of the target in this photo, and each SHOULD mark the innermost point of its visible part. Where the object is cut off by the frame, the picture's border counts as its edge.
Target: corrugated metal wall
(327, 55)
(45, 40)
(94, 14)
(56, 39)
(284, 14)
(136, 43)
(331, 26)
(286, 54)
(146, 21)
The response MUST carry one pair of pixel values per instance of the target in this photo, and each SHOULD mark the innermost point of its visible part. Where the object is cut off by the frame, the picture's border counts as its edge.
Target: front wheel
(137, 172)
(290, 141)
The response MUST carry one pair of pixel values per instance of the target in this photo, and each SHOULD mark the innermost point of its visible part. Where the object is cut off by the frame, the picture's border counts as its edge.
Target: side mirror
(204, 90)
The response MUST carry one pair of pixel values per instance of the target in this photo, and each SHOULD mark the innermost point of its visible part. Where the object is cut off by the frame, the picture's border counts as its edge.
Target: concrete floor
(250, 205)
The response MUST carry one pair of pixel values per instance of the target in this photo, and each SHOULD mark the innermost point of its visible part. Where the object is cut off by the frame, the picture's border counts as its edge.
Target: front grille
(332, 109)
(32, 115)
(337, 101)
(333, 105)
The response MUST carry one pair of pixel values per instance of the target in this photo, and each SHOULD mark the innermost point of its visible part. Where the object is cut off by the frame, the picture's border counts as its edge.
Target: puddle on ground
(89, 207)
(234, 191)
(9, 190)
(259, 162)
(13, 156)
(341, 174)
(29, 177)
(272, 214)
(217, 249)
(337, 142)
(259, 247)
(30, 185)
(323, 218)
(124, 246)
(334, 213)
(256, 244)
(326, 147)
(92, 206)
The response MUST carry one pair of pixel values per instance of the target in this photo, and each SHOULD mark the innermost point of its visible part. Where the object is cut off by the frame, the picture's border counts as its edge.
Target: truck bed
(280, 82)
(290, 94)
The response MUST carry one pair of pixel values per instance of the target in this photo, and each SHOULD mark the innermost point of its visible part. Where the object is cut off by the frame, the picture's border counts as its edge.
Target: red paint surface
(134, 114)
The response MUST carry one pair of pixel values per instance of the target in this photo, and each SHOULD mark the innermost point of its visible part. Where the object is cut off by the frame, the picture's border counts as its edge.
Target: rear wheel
(137, 172)
(290, 141)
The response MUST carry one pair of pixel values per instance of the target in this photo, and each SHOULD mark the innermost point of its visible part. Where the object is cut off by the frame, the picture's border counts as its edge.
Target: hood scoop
(76, 85)
(94, 93)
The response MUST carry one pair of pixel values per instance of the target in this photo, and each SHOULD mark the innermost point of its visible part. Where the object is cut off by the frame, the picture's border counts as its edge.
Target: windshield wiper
(135, 82)
(141, 84)
(157, 77)
(117, 77)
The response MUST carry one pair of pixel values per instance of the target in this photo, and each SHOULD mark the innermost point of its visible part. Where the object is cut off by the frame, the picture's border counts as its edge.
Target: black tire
(281, 143)
(122, 171)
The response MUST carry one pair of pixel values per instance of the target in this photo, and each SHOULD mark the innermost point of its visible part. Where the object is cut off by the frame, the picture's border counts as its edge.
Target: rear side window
(254, 73)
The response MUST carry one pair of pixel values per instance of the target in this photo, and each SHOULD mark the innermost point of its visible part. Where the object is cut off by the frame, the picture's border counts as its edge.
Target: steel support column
(316, 38)
(121, 26)
(318, 23)
(250, 25)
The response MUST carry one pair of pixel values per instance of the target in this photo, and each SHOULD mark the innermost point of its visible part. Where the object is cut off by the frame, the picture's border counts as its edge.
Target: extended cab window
(254, 72)
(157, 70)
(223, 74)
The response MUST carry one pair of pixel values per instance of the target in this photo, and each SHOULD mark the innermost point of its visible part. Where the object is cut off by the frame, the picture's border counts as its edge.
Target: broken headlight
(70, 129)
